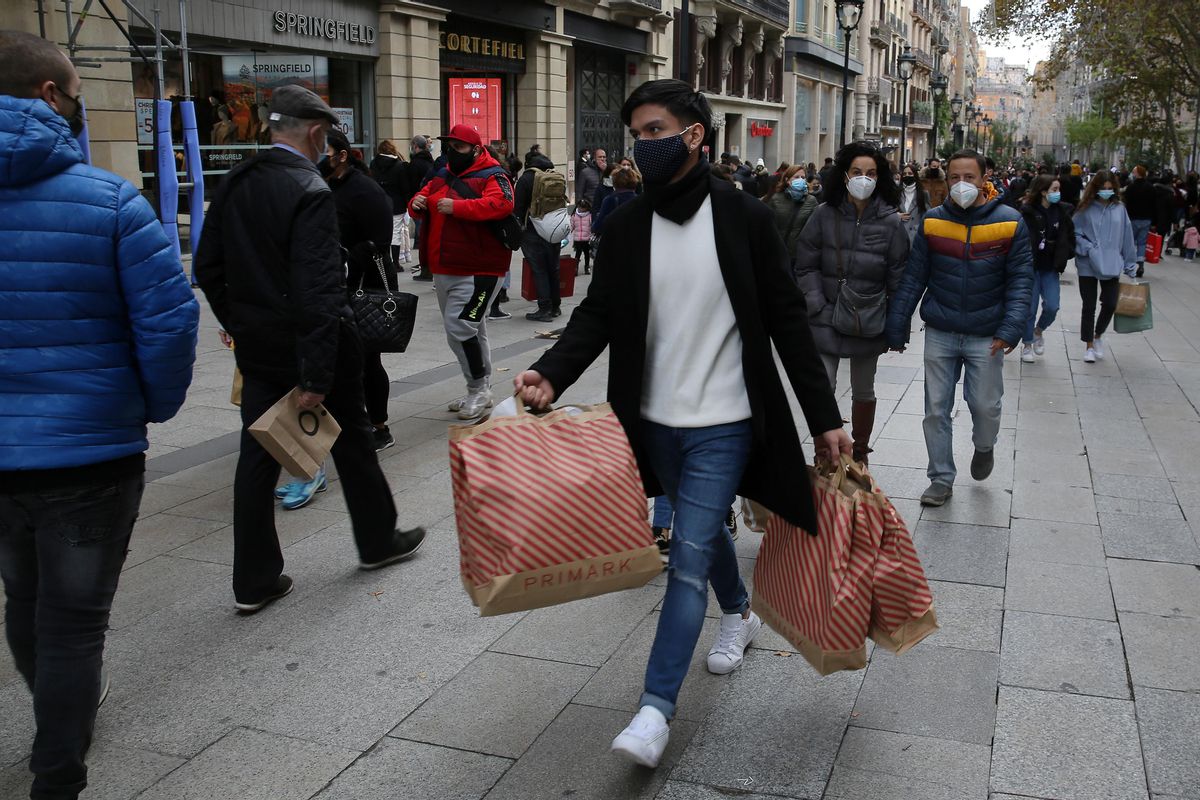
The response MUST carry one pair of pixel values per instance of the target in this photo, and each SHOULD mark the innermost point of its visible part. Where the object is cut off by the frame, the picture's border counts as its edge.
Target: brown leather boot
(862, 421)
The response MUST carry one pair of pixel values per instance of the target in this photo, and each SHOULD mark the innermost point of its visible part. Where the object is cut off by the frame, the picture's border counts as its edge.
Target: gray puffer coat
(791, 216)
(874, 255)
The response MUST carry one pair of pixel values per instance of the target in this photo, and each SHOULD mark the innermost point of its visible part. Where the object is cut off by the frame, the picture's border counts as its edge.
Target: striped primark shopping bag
(567, 525)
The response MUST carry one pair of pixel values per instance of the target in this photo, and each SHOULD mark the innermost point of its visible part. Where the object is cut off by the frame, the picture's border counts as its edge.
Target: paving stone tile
(904, 426)
(1133, 506)
(909, 511)
(217, 506)
(682, 790)
(899, 453)
(974, 504)
(1045, 402)
(158, 534)
(776, 730)
(618, 684)
(962, 553)
(1058, 503)
(498, 705)
(253, 765)
(1063, 654)
(931, 691)
(1148, 538)
(16, 734)
(1156, 490)
(159, 496)
(900, 482)
(1056, 542)
(416, 771)
(1067, 747)
(1162, 651)
(970, 616)
(1170, 725)
(1149, 587)
(583, 632)
(210, 476)
(881, 765)
(1057, 469)
(114, 772)
(1069, 590)
(1067, 440)
(146, 587)
(1123, 461)
(572, 759)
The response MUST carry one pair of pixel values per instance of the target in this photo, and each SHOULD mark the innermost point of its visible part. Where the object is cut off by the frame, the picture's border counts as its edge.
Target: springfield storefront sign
(337, 30)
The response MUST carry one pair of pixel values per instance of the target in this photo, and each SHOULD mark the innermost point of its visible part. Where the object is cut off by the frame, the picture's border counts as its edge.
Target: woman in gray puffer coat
(855, 236)
(792, 205)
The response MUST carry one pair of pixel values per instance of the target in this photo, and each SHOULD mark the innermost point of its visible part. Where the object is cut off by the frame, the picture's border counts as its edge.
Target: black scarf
(679, 201)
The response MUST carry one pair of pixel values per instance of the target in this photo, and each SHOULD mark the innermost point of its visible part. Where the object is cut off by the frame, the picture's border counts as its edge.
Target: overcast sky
(1014, 51)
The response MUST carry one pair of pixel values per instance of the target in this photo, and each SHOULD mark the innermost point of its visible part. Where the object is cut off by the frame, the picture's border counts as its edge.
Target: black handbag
(385, 319)
(855, 314)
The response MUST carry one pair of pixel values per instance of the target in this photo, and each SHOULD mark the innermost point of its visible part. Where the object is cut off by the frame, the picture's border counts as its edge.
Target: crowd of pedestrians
(701, 273)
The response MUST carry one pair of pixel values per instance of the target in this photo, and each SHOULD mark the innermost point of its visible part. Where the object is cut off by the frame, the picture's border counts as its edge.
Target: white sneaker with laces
(1039, 345)
(644, 741)
(1027, 354)
(1098, 346)
(475, 404)
(733, 638)
(1090, 356)
(456, 405)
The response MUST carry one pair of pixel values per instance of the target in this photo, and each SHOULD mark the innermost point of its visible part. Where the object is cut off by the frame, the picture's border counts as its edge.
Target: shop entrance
(600, 93)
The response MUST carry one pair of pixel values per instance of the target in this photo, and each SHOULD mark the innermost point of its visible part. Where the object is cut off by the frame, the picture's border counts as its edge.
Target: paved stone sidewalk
(1067, 585)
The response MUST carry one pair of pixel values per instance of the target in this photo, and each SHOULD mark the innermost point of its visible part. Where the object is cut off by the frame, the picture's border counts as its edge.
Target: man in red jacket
(465, 256)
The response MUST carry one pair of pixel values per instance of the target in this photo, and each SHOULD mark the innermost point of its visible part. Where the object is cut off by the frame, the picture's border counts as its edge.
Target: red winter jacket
(462, 243)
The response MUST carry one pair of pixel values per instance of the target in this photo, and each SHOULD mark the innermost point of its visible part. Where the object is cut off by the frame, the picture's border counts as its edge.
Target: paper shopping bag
(1142, 322)
(299, 439)
(754, 515)
(816, 590)
(567, 522)
(1132, 299)
(235, 394)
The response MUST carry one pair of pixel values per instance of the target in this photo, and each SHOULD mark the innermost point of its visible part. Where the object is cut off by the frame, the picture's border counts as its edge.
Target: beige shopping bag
(235, 394)
(1132, 299)
(298, 438)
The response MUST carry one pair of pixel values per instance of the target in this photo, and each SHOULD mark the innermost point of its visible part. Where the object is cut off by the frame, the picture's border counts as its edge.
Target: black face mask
(909, 180)
(326, 167)
(459, 162)
(75, 118)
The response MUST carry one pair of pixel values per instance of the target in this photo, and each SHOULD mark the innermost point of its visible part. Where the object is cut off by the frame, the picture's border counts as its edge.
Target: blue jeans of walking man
(1141, 232)
(947, 357)
(1046, 288)
(700, 469)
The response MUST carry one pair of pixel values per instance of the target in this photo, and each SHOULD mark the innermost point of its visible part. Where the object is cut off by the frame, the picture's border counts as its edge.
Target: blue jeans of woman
(699, 469)
(1046, 287)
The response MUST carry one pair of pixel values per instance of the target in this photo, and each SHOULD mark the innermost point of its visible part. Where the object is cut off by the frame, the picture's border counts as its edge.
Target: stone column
(775, 49)
(731, 39)
(705, 28)
(542, 96)
(754, 45)
(408, 83)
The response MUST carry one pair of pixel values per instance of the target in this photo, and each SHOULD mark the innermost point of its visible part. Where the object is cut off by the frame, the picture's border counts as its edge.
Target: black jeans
(377, 388)
(543, 260)
(61, 553)
(1091, 326)
(584, 249)
(257, 557)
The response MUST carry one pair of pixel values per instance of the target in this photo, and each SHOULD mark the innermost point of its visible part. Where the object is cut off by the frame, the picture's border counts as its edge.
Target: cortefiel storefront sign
(324, 28)
(482, 46)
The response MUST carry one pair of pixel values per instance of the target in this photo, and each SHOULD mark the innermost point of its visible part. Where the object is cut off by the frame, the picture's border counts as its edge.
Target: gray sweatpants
(464, 301)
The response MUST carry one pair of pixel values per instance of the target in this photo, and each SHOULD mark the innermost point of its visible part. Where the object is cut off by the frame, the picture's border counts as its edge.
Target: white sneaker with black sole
(733, 638)
(645, 739)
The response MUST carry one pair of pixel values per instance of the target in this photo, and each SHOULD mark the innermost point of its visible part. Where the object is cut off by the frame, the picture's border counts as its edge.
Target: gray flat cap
(296, 101)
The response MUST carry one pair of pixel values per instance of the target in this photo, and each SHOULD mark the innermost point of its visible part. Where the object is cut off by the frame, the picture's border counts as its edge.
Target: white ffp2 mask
(964, 194)
(861, 187)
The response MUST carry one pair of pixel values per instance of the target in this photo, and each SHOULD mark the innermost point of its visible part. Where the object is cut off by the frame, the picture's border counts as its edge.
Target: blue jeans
(1141, 230)
(699, 469)
(664, 512)
(61, 553)
(946, 356)
(1045, 286)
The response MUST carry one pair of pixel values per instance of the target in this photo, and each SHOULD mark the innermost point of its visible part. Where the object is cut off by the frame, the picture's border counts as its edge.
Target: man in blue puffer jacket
(972, 262)
(97, 338)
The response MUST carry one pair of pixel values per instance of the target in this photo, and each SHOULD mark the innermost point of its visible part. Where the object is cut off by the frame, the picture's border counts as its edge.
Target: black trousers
(543, 260)
(377, 388)
(584, 249)
(61, 553)
(1091, 326)
(257, 557)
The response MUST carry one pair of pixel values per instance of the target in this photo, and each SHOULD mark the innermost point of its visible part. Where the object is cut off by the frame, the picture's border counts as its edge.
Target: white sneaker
(644, 741)
(735, 636)
(475, 404)
(1027, 354)
(1039, 345)
(1090, 356)
(1098, 346)
(456, 405)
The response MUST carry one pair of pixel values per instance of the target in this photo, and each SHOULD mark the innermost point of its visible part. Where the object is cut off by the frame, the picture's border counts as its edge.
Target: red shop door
(477, 102)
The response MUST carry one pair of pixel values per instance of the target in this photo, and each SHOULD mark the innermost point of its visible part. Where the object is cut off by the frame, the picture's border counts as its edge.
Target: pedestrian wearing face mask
(792, 205)
(914, 201)
(850, 258)
(971, 262)
(690, 292)
(1104, 248)
(1052, 240)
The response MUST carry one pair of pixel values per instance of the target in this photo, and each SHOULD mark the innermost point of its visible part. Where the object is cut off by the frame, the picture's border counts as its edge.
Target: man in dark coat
(420, 167)
(270, 264)
(688, 296)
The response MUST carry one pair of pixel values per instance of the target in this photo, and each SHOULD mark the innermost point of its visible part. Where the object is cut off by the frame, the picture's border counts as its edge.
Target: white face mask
(861, 187)
(964, 193)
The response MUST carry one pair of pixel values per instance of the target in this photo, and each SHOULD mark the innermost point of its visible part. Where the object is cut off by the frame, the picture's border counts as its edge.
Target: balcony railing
(881, 33)
(774, 10)
(923, 59)
(898, 25)
(920, 11)
(636, 8)
(877, 85)
(895, 120)
(920, 118)
(834, 42)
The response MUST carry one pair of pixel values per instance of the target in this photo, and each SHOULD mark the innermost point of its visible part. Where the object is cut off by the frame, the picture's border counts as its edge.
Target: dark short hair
(885, 185)
(684, 103)
(28, 61)
(991, 164)
(971, 154)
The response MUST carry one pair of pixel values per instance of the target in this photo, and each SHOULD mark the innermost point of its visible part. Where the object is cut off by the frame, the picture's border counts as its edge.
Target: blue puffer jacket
(97, 321)
(975, 270)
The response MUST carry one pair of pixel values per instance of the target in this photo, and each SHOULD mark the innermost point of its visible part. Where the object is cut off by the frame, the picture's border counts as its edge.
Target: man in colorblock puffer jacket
(972, 263)
(97, 338)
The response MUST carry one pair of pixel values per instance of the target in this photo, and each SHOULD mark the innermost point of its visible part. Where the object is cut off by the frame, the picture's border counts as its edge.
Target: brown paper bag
(299, 439)
(235, 394)
(1132, 299)
(754, 515)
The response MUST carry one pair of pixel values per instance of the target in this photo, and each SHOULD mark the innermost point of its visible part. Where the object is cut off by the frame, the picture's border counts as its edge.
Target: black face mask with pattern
(659, 160)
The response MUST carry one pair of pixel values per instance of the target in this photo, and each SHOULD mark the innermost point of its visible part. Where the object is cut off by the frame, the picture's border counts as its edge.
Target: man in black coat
(270, 264)
(420, 167)
(688, 297)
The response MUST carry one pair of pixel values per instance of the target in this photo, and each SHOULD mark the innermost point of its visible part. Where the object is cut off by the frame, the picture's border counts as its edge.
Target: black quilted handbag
(385, 318)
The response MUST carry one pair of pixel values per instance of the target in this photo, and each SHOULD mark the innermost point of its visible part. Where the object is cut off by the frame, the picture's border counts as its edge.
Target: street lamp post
(987, 132)
(978, 117)
(939, 84)
(956, 104)
(849, 14)
(906, 62)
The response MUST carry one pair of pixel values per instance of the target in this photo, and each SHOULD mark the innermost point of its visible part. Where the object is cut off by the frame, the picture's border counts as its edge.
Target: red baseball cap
(464, 133)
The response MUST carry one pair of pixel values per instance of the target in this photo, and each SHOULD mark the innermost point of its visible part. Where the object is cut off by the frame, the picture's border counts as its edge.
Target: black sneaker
(1141, 270)
(502, 296)
(423, 276)
(539, 316)
(556, 312)
(383, 438)
(981, 464)
(405, 544)
(282, 588)
(936, 495)
(731, 523)
(498, 313)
